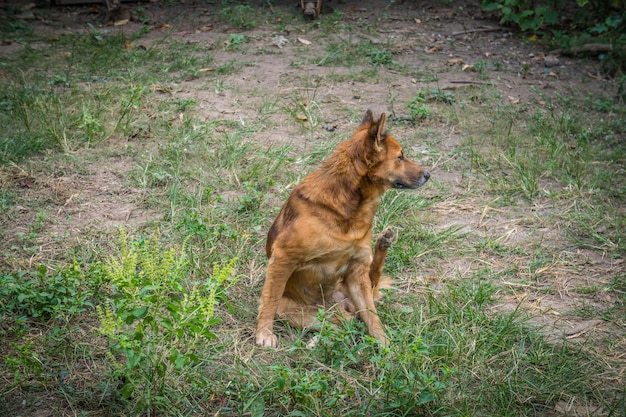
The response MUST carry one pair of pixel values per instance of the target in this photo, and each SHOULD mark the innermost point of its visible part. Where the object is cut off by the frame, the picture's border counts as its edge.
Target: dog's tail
(384, 283)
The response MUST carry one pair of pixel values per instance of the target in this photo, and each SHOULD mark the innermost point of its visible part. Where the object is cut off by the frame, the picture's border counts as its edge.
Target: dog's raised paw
(385, 239)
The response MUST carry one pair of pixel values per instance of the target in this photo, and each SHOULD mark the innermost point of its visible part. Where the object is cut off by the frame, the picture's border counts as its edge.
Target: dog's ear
(380, 134)
(376, 132)
(368, 119)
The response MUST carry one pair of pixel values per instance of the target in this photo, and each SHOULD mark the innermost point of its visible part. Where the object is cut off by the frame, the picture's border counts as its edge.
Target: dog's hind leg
(380, 253)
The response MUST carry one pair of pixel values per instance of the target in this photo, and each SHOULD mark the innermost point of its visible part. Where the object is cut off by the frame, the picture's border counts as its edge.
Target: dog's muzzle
(414, 184)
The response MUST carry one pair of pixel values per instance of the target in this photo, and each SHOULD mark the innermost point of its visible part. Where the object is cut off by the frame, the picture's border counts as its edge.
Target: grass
(134, 211)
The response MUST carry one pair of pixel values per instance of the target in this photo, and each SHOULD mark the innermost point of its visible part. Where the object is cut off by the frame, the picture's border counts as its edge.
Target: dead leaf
(301, 117)
(66, 54)
(206, 69)
(26, 183)
(279, 41)
(120, 22)
(127, 45)
(454, 61)
(417, 21)
(513, 100)
(205, 28)
(304, 41)
(433, 49)
(467, 67)
(3, 74)
(165, 26)
(571, 410)
(160, 89)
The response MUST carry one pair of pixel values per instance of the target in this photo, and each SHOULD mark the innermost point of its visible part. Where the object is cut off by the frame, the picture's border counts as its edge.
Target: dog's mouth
(400, 185)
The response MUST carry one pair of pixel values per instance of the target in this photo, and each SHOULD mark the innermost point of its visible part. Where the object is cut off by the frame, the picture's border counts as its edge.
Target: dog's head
(385, 160)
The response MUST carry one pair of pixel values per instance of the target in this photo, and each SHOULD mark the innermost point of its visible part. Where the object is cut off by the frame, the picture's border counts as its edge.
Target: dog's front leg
(360, 292)
(278, 273)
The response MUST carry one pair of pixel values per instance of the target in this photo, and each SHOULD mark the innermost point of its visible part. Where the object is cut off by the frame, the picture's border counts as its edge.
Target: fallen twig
(581, 328)
(467, 82)
(478, 30)
(589, 48)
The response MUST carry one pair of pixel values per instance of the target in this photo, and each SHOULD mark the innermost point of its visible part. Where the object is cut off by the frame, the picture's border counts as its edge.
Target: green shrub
(593, 21)
(156, 321)
(523, 13)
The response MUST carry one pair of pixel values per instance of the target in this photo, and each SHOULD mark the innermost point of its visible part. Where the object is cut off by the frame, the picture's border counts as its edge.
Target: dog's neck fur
(344, 174)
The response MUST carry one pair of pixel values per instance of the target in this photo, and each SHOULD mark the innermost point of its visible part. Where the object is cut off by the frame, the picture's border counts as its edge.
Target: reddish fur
(319, 247)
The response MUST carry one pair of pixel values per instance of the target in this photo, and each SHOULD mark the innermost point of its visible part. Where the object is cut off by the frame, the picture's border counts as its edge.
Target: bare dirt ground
(441, 38)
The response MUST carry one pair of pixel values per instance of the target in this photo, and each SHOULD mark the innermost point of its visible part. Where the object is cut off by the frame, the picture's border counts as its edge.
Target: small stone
(550, 61)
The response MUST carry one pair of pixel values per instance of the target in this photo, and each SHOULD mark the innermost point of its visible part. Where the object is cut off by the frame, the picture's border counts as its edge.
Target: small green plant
(44, 295)
(305, 112)
(91, 125)
(141, 15)
(242, 16)
(251, 201)
(24, 363)
(481, 67)
(235, 41)
(157, 319)
(130, 102)
(230, 67)
(380, 57)
(418, 107)
(184, 104)
(441, 96)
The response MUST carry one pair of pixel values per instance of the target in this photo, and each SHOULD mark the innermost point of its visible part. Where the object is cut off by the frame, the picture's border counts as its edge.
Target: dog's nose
(426, 175)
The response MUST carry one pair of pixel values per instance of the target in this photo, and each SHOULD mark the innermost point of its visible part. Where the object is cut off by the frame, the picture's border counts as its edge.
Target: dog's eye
(401, 157)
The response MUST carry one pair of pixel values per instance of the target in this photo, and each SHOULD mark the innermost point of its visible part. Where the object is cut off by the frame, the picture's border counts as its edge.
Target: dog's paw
(385, 239)
(266, 338)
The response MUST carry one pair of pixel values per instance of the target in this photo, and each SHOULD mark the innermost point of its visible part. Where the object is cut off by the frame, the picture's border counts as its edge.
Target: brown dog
(319, 247)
